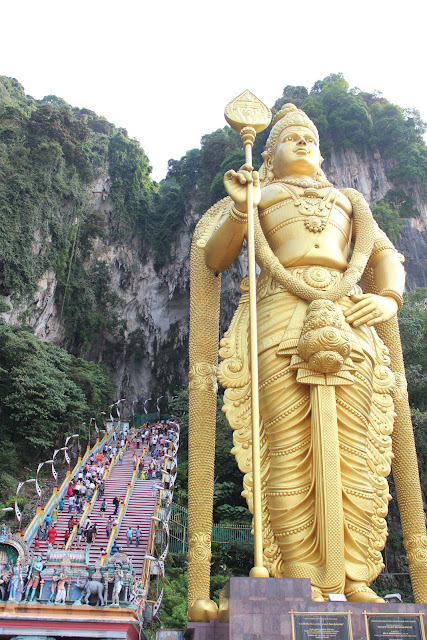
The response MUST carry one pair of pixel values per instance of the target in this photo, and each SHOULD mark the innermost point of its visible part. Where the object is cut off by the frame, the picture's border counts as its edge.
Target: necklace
(304, 183)
(316, 210)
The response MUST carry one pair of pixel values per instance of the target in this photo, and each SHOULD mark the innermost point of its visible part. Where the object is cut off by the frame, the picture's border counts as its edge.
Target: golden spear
(248, 115)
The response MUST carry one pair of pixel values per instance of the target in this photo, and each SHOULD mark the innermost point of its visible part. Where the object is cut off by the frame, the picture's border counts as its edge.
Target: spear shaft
(247, 135)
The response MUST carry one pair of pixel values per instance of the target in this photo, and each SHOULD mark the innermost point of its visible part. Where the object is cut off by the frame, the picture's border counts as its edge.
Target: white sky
(165, 70)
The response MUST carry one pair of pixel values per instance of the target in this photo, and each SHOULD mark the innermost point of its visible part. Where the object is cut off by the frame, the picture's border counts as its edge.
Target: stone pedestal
(260, 609)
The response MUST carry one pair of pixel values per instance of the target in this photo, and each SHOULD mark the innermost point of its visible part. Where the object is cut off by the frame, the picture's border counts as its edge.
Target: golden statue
(331, 377)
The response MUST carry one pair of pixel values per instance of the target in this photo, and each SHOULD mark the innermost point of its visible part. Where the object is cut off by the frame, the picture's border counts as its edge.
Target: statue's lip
(302, 149)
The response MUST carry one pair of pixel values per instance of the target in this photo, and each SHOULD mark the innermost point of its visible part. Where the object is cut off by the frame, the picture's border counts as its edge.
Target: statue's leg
(365, 411)
(353, 405)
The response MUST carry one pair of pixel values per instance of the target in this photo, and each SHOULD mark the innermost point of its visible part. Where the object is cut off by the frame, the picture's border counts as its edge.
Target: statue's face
(297, 153)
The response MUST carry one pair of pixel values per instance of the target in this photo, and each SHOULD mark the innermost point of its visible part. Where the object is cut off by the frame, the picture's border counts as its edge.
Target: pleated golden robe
(325, 438)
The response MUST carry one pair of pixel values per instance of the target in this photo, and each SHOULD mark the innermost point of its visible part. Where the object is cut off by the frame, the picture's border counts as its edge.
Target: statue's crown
(289, 115)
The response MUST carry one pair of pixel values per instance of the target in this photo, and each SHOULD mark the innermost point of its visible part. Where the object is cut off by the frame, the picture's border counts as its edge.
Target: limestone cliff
(367, 174)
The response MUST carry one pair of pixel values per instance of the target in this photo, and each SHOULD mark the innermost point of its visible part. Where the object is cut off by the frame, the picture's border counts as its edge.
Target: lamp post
(145, 408)
(38, 487)
(96, 429)
(17, 509)
(55, 453)
(157, 404)
(75, 435)
(116, 404)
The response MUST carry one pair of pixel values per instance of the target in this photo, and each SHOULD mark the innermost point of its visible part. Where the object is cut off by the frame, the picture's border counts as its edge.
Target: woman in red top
(51, 535)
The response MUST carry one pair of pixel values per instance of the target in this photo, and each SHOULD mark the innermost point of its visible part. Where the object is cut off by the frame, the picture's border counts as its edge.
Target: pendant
(315, 224)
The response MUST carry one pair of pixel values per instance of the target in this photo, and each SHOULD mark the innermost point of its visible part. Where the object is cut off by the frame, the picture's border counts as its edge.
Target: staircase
(139, 512)
(61, 527)
(116, 485)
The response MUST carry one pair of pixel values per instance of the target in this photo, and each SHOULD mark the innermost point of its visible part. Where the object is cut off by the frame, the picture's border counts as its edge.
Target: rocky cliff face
(368, 175)
(155, 304)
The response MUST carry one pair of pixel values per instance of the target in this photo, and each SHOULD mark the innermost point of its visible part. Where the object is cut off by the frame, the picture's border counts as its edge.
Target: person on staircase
(137, 536)
(109, 526)
(129, 535)
(51, 535)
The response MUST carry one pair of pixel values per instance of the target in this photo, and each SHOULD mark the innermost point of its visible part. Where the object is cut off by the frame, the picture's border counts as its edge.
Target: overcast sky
(165, 70)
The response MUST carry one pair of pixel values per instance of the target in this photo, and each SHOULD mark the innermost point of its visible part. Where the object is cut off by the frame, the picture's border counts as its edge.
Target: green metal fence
(138, 421)
(221, 534)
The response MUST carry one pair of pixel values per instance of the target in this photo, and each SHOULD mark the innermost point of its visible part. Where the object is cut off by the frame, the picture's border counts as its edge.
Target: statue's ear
(266, 174)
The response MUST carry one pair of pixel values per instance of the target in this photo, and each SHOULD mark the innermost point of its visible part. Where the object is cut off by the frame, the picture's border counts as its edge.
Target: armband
(389, 293)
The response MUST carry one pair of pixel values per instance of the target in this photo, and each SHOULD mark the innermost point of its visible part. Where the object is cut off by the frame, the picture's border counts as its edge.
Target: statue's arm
(225, 243)
(387, 268)
(388, 279)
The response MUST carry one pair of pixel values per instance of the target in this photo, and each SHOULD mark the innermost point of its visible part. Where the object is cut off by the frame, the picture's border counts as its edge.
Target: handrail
(57, 494)
(123, 507)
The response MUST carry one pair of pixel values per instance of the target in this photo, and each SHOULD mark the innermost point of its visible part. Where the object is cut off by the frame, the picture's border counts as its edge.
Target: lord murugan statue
(331, 378)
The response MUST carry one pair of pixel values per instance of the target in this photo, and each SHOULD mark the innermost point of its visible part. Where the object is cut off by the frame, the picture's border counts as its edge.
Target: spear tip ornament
(247, 111)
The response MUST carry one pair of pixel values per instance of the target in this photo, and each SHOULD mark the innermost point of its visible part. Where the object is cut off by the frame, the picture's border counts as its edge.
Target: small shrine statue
(118, 584)
(61, 591)
(33, 579)
(54, 586)
(15, 581)
(5, 574)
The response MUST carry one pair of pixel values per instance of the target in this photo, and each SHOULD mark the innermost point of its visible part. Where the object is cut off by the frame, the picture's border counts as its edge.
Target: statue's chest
(302, 217)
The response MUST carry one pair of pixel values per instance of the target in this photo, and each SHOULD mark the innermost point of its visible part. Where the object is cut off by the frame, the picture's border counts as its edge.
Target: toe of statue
(362, 593)
(203, 610)
(316, 595)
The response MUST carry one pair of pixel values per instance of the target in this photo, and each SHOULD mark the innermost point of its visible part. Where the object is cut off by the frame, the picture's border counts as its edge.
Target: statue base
(274, 608)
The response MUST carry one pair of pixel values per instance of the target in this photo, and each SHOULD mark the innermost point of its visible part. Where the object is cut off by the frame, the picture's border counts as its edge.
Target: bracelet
(392, 294)
(238, 216)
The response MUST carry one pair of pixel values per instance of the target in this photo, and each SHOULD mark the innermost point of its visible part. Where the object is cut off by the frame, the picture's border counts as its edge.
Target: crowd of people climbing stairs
(143, 450)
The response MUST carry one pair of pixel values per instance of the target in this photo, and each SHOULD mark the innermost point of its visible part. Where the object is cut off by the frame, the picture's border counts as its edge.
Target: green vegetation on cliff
(45, 394)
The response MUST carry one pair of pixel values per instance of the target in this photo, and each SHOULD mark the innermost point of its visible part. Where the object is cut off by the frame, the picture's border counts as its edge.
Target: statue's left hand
(370, 309)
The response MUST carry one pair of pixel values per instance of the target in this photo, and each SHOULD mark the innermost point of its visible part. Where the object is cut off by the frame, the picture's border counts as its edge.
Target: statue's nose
(302, 141)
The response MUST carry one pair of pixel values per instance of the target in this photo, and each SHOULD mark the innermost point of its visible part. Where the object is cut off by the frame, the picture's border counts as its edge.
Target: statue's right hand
(236, 183)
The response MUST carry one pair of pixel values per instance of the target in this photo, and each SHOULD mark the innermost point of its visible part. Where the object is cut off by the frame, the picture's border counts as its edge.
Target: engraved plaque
(394, 626)
(321, 626)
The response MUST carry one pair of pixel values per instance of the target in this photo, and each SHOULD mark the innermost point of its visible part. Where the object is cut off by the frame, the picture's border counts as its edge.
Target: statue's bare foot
(316, 595)
(360, 592)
